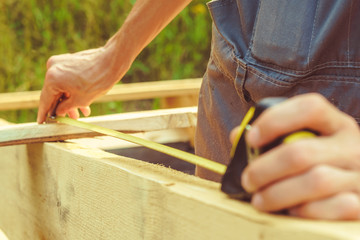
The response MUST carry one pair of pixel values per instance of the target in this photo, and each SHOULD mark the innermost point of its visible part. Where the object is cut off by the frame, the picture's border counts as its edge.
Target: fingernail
(253, 136)
(257, 201)
(247, 184)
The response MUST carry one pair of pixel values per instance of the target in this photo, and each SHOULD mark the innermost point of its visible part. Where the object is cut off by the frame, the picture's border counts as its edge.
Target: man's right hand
(79, 77)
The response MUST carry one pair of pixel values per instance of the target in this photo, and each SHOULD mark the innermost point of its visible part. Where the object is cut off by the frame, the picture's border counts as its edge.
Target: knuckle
(50, 62)
(351, 123)
(316, 98)
(299, 156)
(349, 205)
(352, 140)
(356, 154)
(51, 75)
(315, 105)
(319, 180)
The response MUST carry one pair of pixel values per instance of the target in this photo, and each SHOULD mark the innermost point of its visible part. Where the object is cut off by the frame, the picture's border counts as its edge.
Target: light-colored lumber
(66, 191)
(3, 236)
(126, 122)
(4, 122)
(158, 89)
(182, 101)
(120, 92)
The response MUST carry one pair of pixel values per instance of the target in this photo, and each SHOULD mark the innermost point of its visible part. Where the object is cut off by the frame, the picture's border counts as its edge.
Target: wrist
(117, 57)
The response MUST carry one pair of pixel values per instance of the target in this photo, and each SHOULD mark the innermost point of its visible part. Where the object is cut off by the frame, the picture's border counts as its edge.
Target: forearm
(143, 24)
(86, 75)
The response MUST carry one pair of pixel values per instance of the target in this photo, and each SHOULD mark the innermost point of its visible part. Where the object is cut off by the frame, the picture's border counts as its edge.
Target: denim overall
(263, 48)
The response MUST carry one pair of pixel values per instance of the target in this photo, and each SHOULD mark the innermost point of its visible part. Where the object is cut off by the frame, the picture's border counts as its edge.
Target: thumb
(47, 101)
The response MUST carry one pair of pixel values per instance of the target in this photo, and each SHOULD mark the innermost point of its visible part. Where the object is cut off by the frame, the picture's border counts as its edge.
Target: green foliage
(33, 30)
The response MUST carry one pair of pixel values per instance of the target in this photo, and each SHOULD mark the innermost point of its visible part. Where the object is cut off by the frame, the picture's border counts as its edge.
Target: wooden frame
(73, 191)
(120, 92)
(127, 122)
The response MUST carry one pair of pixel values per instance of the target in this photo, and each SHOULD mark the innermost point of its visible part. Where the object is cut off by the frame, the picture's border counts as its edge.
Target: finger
(86, 111)
(47, 100)
(73, 113)
(343, 206)
(234, 133)
(289, 159)
(61, 114)
(69, 107)
(65, 107)
(319, 182)
(50, 94)
(303, 111)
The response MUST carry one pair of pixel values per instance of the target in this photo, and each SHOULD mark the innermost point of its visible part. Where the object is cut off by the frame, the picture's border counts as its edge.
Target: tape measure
(188, 157)
(241, 152)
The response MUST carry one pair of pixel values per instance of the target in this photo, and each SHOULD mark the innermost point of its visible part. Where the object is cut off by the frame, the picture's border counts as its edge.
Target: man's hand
(80, 78)
(84, 76)
(314, 178)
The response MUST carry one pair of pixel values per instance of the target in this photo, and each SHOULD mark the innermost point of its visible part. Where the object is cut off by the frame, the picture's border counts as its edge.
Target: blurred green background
(33, 30)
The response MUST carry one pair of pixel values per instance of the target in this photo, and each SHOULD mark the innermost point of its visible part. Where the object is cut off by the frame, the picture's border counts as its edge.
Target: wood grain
(67, 191)
(125, 122)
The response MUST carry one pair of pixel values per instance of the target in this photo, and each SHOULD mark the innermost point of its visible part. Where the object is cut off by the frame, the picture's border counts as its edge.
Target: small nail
(253, 136)
(257, 201)
(246, 183)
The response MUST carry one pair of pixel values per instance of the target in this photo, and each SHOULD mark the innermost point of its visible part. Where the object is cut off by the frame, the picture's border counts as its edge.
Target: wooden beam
(126, 122)
(148, 90)
(66, 191)
(120, 92)
(3, 236)
(3, 122)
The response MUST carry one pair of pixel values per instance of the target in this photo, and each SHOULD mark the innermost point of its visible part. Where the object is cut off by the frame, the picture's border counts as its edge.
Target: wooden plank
(66, 191)
(3, 122)
(158, 89)
(126, 122)
(182, 101)
(120, 92)
(3, 236)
